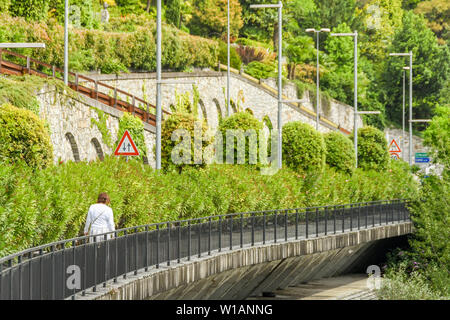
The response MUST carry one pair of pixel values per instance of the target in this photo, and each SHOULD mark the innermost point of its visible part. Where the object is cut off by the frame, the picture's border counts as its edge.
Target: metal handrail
(270, 225)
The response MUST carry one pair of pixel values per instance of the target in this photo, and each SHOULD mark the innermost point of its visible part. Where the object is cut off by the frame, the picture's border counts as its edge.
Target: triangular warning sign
(126, 146)
(393, 146)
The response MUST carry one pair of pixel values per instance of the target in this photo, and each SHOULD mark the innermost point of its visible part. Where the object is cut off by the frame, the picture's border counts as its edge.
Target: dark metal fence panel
(47, 272)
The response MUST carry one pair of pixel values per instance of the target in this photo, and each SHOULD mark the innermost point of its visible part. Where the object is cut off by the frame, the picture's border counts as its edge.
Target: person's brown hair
(103, 198)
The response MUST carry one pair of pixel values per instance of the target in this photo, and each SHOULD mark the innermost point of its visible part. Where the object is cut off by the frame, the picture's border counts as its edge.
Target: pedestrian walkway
(348, 287)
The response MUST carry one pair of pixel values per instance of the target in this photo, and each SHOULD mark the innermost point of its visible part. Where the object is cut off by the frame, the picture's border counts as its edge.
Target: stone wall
(246, 93)
(72, 134)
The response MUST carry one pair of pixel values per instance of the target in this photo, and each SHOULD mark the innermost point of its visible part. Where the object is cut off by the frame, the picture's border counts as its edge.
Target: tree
(338, 81)
(258, 24)
(299, 50)
(32, 10)
(437, 13)
(173, 12)
(431, 63)
(377, 22)
(209, 18)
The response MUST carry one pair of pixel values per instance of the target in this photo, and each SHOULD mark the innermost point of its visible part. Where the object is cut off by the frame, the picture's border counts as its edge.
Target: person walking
(100, 218)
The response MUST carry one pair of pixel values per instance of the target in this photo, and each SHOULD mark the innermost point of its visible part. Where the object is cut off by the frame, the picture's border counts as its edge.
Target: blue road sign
(422, 160)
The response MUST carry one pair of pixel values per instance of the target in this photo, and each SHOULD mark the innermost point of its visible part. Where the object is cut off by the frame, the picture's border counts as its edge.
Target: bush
(235, 59)
(373, 152)
(185, 149)
(340, 152)
(43, 206)
(260, 70)
(23, 137)
(241, 121)
(303, 147)
(92, 50)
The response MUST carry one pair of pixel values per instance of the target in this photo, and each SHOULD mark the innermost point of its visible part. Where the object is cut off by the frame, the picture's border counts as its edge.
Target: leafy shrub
(185, 148)
(303, 147)
(242, 121)
(20, 91)
(135, 127)
(372, 149)
(23, 137)
(398, 285)
(42, 206)
(260, 70)
(340, 152)
(92, 50)
(235, 59)
(249, 54)
(32, 10)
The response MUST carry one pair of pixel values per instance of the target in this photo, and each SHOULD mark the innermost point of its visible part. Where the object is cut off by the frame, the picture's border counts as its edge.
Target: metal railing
(92, 88)
(43, 272)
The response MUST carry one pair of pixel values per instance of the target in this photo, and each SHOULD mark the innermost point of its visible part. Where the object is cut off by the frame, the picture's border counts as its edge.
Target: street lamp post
(228, 59)
(280, 87)
(66, 42)
(317, 72)
(409, 54)
(355, 97)
(403, 111)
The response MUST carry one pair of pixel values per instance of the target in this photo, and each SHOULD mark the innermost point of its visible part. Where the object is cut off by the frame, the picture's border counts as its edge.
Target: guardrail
(43, 272)
(137, 107)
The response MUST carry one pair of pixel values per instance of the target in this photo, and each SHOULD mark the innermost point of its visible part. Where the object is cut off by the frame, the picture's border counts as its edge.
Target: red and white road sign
(393, 146)
(126, 146)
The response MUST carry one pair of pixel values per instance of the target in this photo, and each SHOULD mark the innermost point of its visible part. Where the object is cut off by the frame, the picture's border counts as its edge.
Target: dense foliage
(46, 205)
(304, 148)
(340, 152)
(372, 149)
(241, 122)
(110, 52)
(186, 138)
(383, 26)
(23, 137)
(422, 271)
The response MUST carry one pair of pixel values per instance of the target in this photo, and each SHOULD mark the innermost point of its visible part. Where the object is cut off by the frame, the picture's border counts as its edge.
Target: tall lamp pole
(355, 90)
(317, 71)
(228, 59)
(158, 85)
(403, 111)
(280, 85)
(409, 54)
(66, 42)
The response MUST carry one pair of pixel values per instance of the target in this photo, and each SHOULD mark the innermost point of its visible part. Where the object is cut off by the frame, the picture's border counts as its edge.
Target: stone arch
(98, 148)
(219, 109)
(73, 144)
(202, 106)
(267, 123)
(249, 111)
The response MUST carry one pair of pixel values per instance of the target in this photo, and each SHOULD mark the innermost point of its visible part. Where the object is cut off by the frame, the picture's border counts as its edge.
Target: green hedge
(184, 143)
(373, 152)
(241, 121)
(23, 137)
(110, 52)
(235, 59)
(46, 205)
(340, 152)
(303, 147)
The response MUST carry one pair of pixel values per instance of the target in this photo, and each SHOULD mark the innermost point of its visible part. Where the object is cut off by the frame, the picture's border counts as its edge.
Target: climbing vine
(101, 125)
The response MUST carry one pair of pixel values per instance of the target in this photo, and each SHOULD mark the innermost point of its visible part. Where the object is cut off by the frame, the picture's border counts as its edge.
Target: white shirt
(100, 219)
